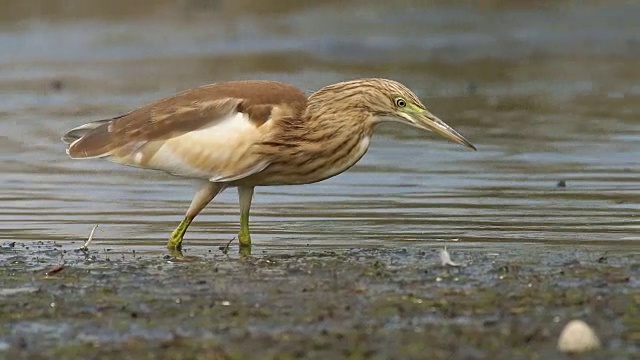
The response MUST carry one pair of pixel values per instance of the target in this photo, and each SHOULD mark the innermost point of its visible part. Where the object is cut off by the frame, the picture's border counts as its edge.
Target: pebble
(577, 337)
(56, 85)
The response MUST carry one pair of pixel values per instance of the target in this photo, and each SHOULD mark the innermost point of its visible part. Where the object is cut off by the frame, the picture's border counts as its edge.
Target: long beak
(427, 121)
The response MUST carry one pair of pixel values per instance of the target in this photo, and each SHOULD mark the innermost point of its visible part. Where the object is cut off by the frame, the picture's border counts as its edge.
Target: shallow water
(546, 93)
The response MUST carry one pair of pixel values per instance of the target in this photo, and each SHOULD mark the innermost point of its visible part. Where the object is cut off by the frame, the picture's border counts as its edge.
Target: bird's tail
(82, 130)
(76, 134)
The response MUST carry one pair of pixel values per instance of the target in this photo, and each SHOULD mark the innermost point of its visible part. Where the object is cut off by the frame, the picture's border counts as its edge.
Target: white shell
(576, 337)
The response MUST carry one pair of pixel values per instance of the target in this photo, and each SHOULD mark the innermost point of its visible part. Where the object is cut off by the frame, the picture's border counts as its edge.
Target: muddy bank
(348, 303)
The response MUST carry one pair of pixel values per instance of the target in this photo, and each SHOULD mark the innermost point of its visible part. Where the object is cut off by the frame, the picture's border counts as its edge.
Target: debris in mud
(56, 85)
(472, 88)
(225, 249)
(577, 337)
(445, 258)
(85, 247)
(54, 270)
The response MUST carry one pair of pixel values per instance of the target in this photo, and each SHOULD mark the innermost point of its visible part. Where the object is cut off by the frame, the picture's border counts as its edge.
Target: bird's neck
(331, 116)
(317, 145)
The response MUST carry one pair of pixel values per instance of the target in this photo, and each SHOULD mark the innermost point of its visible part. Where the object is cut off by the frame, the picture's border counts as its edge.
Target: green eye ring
(400, 102)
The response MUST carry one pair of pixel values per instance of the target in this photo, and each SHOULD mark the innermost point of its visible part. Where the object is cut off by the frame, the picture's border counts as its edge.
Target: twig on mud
(54, 270)
(85, 247)
(225, 250)
(445, 258)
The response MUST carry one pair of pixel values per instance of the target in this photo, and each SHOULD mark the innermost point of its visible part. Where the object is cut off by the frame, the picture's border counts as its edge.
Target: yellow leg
(244, 237)
(175, 241)
(203, 196)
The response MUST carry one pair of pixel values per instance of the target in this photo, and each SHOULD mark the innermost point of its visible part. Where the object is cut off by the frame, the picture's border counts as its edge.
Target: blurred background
(549, 92)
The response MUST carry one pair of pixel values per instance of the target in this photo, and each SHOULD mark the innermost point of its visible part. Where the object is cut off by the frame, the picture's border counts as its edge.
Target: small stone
(561, 184)
(360, 289)
(472, 87)
(56, 85)
(577, 337)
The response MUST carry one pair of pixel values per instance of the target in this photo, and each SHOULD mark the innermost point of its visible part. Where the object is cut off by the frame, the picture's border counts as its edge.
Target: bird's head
(388, 100)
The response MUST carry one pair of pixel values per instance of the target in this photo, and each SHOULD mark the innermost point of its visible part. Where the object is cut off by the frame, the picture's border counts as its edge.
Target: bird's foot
(175, 241)
(244, 238)
(175, 254)
(244, 251)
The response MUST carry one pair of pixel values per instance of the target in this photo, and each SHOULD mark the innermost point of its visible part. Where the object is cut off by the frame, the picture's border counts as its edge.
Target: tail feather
(82, 130)
(75, 135)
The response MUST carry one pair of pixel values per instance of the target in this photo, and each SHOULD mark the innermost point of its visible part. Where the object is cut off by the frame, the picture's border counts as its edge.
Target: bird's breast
(315, 163)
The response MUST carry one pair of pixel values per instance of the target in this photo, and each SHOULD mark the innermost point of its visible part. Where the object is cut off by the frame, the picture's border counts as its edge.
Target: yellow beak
(427, 121)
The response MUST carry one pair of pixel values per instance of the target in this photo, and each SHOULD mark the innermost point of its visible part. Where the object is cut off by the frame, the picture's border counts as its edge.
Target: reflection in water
(546, 93)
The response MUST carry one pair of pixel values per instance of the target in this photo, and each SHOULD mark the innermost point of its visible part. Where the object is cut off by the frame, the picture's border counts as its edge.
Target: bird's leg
(245, 194)
(203, 196)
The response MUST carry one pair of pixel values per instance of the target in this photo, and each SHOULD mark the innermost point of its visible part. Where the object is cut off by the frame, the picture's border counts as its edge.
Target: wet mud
(373, 303)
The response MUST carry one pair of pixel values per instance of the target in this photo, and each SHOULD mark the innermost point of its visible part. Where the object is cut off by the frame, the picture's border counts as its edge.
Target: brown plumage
(251, 133)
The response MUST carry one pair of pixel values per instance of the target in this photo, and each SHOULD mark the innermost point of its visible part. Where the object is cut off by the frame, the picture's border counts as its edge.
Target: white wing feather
(220, 152)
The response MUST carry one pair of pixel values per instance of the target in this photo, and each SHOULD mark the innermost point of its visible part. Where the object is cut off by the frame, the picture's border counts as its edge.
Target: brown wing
(205, 132)
(184, 112)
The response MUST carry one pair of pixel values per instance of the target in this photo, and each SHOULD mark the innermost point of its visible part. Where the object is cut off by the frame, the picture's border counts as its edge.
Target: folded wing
(206, 132)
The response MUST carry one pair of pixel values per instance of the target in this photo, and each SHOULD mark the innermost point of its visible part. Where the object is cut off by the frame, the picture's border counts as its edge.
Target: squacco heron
(245, 134)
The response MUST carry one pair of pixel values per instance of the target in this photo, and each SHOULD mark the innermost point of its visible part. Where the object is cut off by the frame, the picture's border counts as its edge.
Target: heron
(252, 133)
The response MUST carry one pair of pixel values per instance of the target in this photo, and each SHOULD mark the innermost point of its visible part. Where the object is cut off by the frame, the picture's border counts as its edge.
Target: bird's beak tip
(432, 123)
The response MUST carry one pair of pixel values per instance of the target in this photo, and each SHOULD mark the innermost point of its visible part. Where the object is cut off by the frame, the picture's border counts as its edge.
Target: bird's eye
(400, 102)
